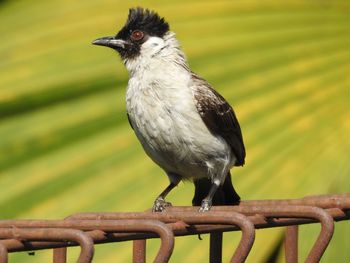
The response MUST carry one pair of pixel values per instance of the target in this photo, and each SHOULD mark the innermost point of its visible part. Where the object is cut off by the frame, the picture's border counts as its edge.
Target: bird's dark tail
(225, 195)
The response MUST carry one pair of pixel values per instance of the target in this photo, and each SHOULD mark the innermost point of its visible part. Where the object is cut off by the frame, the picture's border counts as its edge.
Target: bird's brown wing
(219, 117)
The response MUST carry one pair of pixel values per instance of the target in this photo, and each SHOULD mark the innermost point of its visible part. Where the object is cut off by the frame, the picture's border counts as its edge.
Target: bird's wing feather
(129, 121)
(218, 116)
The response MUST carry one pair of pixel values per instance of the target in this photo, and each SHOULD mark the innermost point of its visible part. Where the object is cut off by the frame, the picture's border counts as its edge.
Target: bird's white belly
(172, 132)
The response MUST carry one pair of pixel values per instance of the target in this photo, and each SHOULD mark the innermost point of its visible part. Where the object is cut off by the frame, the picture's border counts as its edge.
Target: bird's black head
(141, 24)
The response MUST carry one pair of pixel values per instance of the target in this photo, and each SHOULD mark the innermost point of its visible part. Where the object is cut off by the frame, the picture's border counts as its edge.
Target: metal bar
(259, 220)
(291, 244)
(325, 236)
(337, 213)
(228, 217)
(179, 227)
(321, 201)
(139, 251)
(262, 213)
(215, 253)
(54, 234)
(60, 255)
(241, 221)
(3, 254)
(156, 227)
(327, 224)
(14, 245)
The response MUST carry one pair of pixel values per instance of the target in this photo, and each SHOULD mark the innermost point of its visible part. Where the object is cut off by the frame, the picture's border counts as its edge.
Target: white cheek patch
(152, 46)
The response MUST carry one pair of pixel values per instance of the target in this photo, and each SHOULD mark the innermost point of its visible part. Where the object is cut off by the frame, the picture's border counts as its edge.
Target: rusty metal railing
(87, 229)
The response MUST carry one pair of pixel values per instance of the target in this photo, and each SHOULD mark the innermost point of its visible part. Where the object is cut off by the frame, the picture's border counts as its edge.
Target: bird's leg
(160, 204)
(207, 201)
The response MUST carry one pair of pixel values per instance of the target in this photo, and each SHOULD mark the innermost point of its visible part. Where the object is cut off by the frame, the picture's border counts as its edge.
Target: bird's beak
(110, 42)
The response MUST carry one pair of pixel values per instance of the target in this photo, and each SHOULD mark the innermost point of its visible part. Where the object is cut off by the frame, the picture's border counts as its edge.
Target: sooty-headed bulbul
(183, 124)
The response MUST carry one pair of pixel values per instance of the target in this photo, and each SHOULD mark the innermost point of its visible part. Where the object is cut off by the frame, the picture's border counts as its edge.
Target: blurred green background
(66, 145)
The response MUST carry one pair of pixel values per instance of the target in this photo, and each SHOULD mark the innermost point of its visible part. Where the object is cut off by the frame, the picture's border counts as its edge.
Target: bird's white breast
(161, 108)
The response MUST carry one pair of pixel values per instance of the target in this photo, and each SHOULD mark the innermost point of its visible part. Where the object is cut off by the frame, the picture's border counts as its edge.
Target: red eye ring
(137, 35)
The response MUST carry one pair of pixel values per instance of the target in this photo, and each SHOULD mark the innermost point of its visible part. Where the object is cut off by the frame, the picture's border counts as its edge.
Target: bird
(183, 124)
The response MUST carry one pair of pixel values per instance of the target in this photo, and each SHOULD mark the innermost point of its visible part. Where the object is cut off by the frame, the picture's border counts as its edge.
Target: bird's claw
(160, 205)
(206, 205)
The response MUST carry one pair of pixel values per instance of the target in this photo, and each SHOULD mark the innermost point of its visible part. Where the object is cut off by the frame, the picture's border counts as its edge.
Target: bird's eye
(137, 35)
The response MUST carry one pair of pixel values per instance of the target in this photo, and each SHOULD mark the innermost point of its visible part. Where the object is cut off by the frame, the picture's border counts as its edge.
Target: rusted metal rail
(87, 229)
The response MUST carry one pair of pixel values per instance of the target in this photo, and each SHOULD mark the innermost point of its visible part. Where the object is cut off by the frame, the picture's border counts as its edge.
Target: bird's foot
(206, 205)
(160, 205)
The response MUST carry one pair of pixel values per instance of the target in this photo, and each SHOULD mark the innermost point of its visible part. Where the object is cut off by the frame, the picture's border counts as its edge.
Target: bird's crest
(145, 20)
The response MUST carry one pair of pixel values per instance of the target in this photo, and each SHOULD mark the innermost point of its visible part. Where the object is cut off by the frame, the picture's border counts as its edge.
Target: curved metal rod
(54, 234)
(225, 217)
(327, 223)
(157, 227)
(231, 218)
(164, 232)
(291, 211)
(3, 254)
(166, 235)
